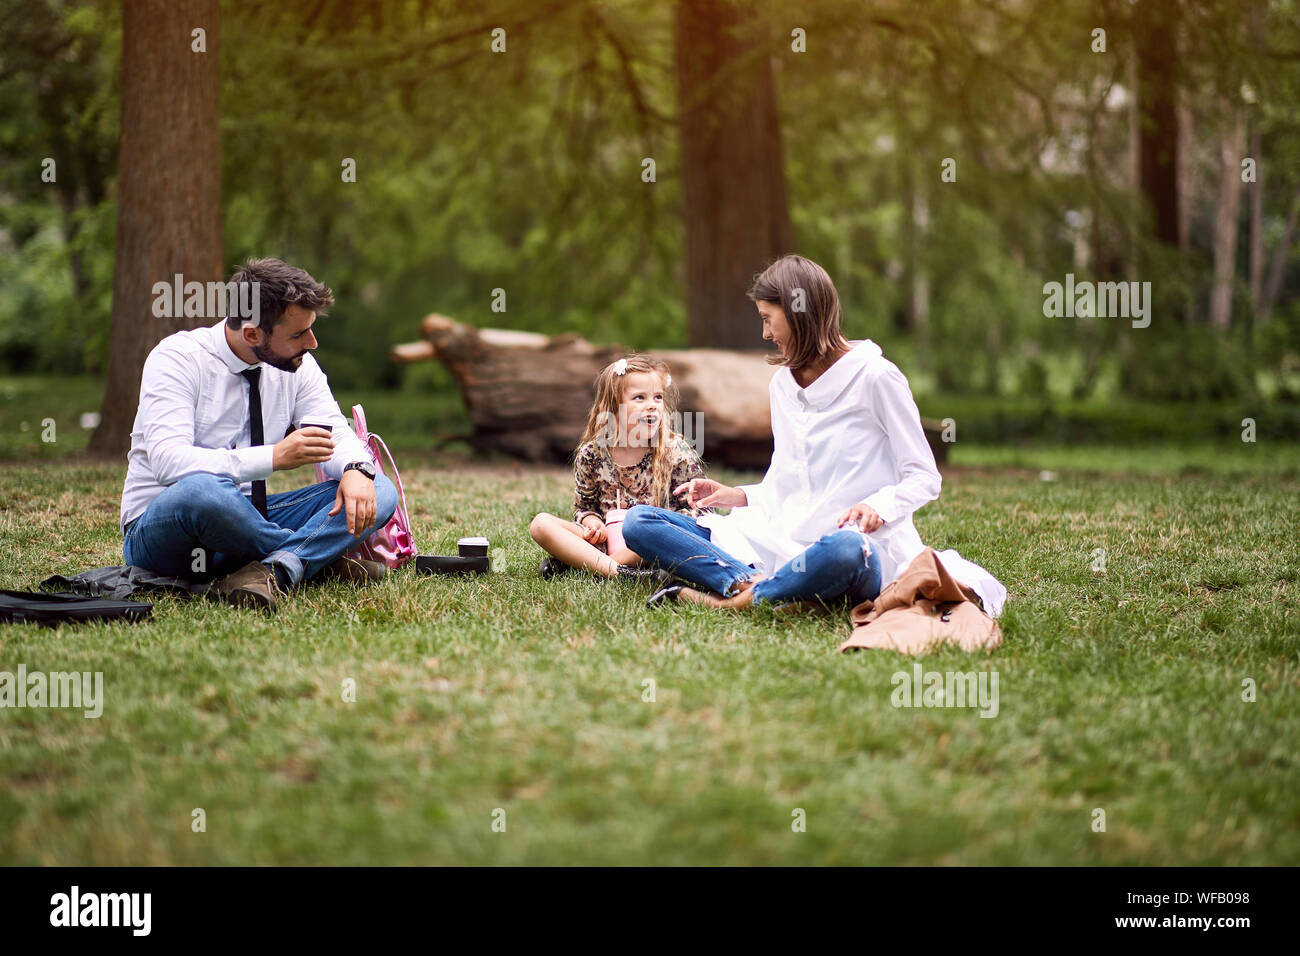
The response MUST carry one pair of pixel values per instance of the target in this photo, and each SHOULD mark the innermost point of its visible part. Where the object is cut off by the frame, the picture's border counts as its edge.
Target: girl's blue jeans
(837, 565)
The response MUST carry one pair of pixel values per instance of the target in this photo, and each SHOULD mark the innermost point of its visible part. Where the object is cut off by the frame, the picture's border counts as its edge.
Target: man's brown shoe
(356, 570)
(253, 586)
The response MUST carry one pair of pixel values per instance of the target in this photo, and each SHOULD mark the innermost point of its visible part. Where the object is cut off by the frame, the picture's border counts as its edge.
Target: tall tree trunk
(1232, 144)
(916, 278)
(1256, 193)
(1189, 186)
(1255, 32)
(733, 175)
(1134, 163)
(1281, 252)
(1156, 26)
(71, 230)
(168, 189)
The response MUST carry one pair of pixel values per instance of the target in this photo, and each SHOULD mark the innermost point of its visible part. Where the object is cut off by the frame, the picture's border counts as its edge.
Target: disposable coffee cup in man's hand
(329, 430)
(308, 423)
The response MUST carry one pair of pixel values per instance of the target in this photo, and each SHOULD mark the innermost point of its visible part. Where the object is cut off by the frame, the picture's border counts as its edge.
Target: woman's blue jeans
(203, 527)
(837, 565)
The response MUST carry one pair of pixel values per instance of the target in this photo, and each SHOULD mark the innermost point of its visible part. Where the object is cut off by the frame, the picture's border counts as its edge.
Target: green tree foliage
(475, 170)
(522, 171)
(58, 61)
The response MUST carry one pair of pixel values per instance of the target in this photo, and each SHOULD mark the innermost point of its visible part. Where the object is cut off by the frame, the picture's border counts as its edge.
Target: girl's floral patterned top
(601, 486)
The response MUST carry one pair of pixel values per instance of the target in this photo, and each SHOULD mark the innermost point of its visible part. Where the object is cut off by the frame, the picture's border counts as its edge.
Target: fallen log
(528, 394)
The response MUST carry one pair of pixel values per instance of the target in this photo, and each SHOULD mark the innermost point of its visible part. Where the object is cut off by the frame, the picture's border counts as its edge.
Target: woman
(850, 454)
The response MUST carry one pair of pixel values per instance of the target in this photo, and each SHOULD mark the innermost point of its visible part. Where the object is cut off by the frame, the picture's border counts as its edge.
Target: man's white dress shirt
(854, 435)
(193, 417)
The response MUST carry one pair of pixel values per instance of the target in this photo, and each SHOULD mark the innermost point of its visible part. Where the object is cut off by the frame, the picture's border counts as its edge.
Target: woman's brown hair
(811, 305)
(602, 421)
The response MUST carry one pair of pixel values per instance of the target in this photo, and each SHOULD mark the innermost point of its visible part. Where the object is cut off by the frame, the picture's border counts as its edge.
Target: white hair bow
(620, 367)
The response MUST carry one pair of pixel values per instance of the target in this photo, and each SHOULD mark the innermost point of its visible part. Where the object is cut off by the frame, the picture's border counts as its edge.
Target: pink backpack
(393, 544)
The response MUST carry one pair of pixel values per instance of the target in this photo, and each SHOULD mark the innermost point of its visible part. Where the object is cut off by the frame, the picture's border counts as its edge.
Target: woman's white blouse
(854, 435)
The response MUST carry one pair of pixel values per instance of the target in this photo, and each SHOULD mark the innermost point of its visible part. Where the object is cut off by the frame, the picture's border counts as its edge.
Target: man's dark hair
(281, 285)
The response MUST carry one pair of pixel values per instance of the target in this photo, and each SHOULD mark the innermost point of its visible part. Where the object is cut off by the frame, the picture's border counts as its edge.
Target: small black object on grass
(472, 559)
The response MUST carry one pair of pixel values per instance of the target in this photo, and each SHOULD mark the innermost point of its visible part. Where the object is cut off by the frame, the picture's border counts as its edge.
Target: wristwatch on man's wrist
(364, 467)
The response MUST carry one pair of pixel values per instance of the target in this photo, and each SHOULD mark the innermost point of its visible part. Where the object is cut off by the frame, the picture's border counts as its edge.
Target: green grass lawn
(1119, 690)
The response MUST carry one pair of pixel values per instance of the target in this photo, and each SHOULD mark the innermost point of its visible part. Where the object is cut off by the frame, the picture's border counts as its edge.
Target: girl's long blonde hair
(602, 422)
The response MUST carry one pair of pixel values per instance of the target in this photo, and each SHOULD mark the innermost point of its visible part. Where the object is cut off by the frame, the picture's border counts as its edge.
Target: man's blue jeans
(839, 564)
(204, 527)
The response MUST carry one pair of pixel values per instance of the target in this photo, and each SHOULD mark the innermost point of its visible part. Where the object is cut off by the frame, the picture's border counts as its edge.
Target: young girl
(628, 455)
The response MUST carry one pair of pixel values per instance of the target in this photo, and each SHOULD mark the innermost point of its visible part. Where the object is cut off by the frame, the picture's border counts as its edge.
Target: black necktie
(254, 376)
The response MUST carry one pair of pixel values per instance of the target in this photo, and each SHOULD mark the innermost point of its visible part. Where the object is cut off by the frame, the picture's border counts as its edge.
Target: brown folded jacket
(922, 608)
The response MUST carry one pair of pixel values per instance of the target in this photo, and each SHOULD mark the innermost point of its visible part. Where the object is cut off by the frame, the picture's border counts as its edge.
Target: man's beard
(264, 354)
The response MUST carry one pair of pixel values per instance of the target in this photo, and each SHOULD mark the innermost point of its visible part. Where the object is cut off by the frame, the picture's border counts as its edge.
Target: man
(212, 402)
